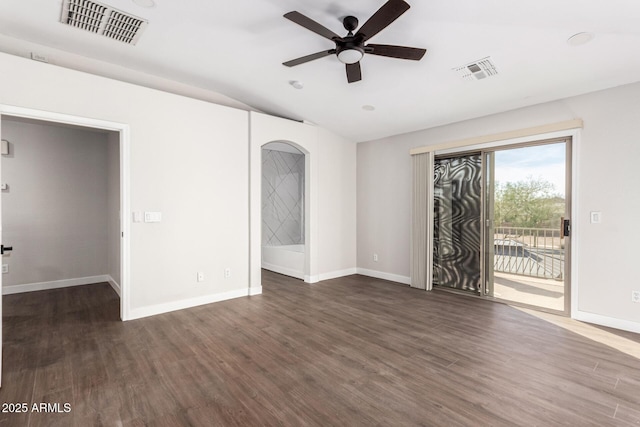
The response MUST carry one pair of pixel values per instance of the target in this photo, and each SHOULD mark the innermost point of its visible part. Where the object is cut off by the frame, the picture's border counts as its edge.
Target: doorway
(123, 143)
(501, 223)
(284, 213)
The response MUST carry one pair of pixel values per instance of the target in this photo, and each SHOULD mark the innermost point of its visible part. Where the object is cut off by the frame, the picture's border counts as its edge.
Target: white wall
(54, 213)
(188, 160)
(330, 244)
(337, 205)
(608, 181)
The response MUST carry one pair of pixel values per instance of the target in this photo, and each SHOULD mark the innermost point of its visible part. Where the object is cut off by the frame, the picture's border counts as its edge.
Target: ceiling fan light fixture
(350, 55)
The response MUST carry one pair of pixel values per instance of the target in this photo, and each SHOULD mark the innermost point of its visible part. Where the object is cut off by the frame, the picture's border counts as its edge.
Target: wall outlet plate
(635, 296)
(227, 273)
(5, 268)
(200, 276)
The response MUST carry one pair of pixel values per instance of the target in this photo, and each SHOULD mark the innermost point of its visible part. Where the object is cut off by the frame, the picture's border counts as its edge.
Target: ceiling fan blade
(311, 25)
(308, 58)
(401, 52)
(354, 73)
(388, 13)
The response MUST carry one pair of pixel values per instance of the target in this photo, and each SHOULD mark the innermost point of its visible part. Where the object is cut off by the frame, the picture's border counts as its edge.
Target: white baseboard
(386, 276)
(336, 274)
(257, 290)
(56, 284)
(115, 285)
(138, 313)
(283, 270)
(611, 322)
(311, 279)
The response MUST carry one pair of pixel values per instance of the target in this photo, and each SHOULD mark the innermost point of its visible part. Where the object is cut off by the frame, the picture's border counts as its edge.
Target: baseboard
(386, 276)
(336, 274)
(611, 322)
(283, 270)
(311, 279)
(115, 285)
(138, 313)
(56, 284)
(257, 290)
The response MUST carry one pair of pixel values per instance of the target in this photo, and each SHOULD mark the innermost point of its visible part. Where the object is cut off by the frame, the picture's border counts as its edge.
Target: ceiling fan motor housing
(350, 50)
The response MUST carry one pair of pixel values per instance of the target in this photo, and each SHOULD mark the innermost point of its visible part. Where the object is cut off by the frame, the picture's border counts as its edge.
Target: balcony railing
(534, 252)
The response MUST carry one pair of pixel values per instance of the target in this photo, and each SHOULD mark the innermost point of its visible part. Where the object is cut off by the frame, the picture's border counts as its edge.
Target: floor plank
(352, 351)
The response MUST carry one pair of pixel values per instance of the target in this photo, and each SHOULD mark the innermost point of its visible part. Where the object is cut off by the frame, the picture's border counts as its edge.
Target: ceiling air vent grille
(478, 70)
(102, 19)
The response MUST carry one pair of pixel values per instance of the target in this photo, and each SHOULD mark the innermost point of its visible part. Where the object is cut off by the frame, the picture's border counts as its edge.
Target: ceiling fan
(351, 48)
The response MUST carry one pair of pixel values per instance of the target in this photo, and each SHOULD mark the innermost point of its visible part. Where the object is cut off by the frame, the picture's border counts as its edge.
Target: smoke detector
(102, 19)
(477, 70)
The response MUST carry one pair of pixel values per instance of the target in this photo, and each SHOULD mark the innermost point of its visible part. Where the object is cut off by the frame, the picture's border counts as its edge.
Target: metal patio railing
(534, 252)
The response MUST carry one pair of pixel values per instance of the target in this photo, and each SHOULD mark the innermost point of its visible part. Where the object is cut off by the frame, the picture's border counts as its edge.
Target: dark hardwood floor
(354, 351)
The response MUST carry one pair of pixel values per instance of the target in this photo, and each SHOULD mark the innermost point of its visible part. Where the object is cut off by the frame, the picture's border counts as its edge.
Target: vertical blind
(422, 222)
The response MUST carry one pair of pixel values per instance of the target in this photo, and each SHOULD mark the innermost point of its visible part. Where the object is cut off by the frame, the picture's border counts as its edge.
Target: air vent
(477, 70)
(102, 19)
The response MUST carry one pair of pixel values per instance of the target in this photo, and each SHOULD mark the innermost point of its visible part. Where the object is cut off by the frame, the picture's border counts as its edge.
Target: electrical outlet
(635, 296)
(5, 268)
(200, 276)
(375, 257)
(227, 273)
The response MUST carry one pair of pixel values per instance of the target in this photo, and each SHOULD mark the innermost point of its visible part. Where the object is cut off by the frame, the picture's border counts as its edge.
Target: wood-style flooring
(353, 351)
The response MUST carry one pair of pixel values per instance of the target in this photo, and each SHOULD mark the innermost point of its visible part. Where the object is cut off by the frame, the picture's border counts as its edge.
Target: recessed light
(145, 3)
(296, 84)
(580, 39)
(368, 107)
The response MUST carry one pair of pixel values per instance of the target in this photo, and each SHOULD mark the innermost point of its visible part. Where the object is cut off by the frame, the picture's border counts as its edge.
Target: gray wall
(282, 198)
(608, 181)
(55, 210)
(113, 206)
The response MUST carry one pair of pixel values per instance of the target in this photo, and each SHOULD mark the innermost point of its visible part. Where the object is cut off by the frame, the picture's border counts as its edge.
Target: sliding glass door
(501, 223)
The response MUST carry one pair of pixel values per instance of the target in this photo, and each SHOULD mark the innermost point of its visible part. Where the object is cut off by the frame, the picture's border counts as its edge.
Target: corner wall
(608, 181)
(188, 160)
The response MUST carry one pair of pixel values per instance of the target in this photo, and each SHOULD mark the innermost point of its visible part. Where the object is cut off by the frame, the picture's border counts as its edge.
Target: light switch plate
(152, 216)
(596, 217)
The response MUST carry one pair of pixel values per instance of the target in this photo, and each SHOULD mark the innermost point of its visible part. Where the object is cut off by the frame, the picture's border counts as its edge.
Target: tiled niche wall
(282, 198)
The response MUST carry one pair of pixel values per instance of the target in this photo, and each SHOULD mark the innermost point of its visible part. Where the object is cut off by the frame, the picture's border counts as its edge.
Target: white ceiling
(236, 48)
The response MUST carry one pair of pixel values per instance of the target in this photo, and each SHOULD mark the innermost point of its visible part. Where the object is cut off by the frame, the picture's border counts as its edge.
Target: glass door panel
(527, 200)
(457, 222)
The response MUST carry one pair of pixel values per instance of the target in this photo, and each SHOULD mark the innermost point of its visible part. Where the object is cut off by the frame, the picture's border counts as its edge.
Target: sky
(545, 162)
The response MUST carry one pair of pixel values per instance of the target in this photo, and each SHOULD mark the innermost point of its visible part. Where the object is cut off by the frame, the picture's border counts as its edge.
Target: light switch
(4, 186)
(596, 217)
(137, 216)
(152, 216)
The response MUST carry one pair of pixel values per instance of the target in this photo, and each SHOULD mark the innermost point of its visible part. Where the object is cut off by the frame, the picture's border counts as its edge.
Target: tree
(532, 203)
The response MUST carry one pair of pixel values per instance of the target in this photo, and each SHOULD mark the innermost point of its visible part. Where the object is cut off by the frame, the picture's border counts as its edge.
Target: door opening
(61, 205)
(284, 212)
(502, 223)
